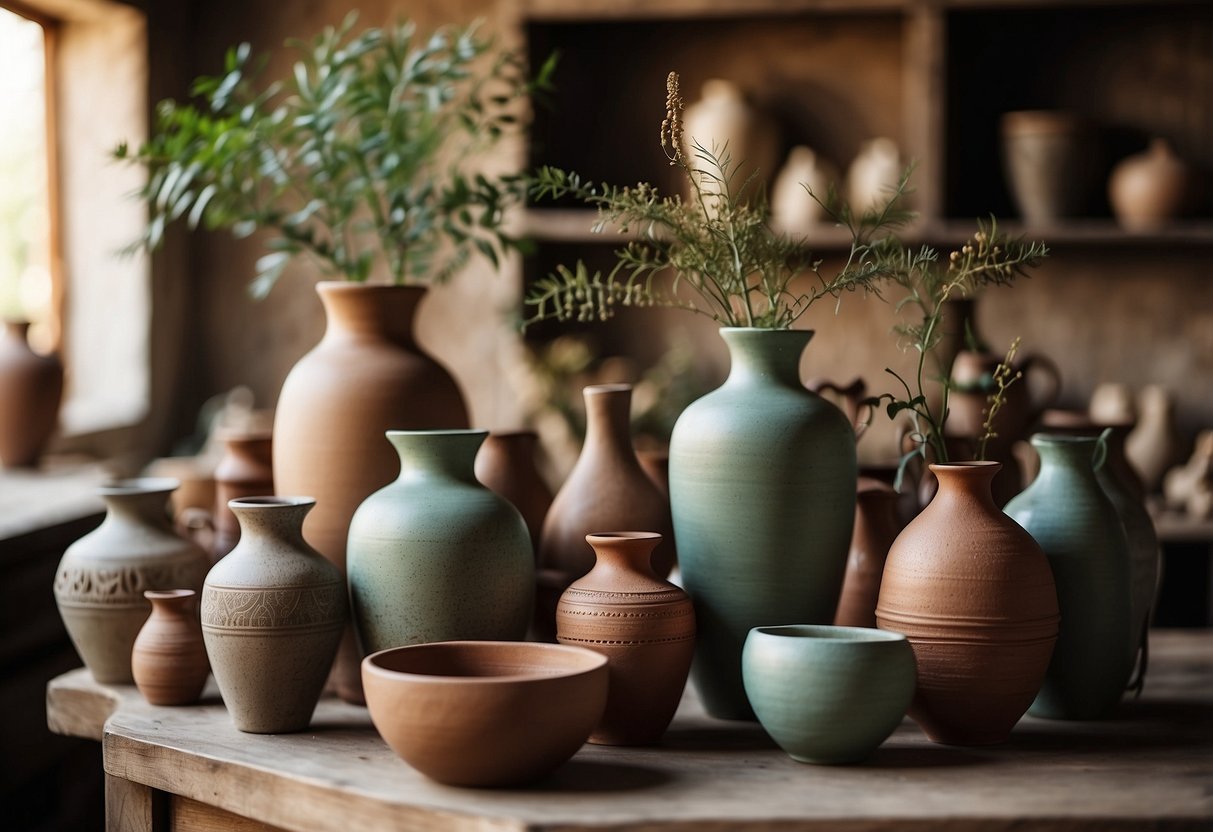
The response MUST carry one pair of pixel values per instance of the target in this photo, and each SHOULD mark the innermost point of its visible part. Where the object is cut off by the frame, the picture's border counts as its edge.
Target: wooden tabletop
(1152, 767)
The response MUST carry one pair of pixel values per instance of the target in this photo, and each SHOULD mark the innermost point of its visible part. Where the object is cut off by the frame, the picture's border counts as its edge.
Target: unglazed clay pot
(169, 660)
(794, 211)
(246, 469)
(506, 465)
(102, 577)
(31, 388)
(973, 593)
(762, 484)
(874, 175)
(877, 525)
(656, 465)
(436, 556)
(1152, 445)
(489, 714)
(1149, 189)
(1076, 524)
(724, 122)
(273, 611)
(644, 625)
(366, 376)
(1049, 164)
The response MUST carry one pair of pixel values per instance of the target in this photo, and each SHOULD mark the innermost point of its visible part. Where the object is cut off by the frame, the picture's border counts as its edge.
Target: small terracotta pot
(876, 527)
(246, 469)
(505, 465)
(169, 660)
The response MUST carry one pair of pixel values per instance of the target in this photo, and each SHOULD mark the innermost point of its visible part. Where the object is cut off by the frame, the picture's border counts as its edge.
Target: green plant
(1004, 376)
(362, 158)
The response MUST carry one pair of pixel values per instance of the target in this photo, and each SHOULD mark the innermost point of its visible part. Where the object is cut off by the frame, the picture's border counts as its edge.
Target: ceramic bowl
(485, 713)
(828, 694)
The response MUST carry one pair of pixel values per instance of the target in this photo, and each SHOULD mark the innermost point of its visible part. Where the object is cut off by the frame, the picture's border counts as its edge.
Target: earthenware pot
(31, 388)
(877, 525)
(762, 483)
(656, 466)
(1149, 189)
(1049, 163)
(246, 469)
(793, 210)
(644, 625)
(1152, 446)
(169, 660)
(723, 121)
(874, 174)
(506, 465)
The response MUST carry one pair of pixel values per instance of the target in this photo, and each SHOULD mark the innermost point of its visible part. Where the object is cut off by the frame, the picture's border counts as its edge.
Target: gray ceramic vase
(1066, 510)
(436, 556)
(273, 611)
(828, 695)
(762, 487)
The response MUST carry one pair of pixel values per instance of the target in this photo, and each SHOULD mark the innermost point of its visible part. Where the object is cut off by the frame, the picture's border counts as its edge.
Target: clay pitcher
(506, 466)
(169, 660)
(31, 388)
(877, 525)
(246, 469)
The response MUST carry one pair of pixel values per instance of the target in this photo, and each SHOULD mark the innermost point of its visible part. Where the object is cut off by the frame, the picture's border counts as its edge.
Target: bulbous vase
(169, 660)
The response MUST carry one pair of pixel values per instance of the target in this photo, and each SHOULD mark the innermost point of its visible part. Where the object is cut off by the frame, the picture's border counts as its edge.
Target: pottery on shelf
(1111, 404)
(644, 625)
(1149, 189)
(168, 659)
(273, 611)
(874, 175)
(506, 465)
(723, 122)
(31, 389)
(1152, 446)
(1189, 487)
(1049, 164)
(102, 577)
(246, 469)
(793, 210)
(973, 593)
(877, 525)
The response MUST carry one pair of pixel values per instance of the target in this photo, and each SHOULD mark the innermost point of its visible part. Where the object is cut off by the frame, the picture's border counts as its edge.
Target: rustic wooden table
(189, 769)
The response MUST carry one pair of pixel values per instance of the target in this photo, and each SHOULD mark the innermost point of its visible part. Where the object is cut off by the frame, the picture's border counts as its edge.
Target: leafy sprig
(1003, 377)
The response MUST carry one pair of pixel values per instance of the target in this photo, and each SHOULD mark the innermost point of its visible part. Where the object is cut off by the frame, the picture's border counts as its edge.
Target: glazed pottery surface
(973, 593)
(506, 465)
(644, 625)
(246, 469)
(876, 527)
(436, 556)
(273, 611)
(366, 376)
(169, 660)
(762, 484)
(828, 695)
(488, 714)
(102, 577)
(1066, 510)
(31, 388)
(1049, 164)
(1150, 188)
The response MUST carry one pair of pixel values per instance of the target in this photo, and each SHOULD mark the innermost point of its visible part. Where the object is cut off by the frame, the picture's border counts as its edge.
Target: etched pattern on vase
(273, 609)
(121, 587)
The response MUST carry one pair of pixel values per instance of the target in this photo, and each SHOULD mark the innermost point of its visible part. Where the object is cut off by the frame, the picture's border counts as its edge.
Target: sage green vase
(1066, 510)
(436, 556)
(762, 489)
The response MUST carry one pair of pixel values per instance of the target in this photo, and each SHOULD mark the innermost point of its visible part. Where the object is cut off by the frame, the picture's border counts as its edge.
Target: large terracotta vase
(1066, 510)
(877, 524)
(246, 469)
(644, 625)
(506, 465)
(169, 660)
(102, 577)
(762, 485)
(273, 612)
(366, 376)
(31, 388)
(436, 556)
(973, 593)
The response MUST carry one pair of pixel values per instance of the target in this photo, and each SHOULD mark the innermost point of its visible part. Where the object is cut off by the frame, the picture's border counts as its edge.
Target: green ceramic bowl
(828, 695)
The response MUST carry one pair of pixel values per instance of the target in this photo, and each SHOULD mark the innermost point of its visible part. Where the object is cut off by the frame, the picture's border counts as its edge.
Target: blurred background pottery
(793, 210)
(1149, 189)
(506, 465)
(31, 389)
(877, 524)
(725, 123)
(1152, 446)
(1050, 165)
(874, 175)
(169, 659)
(246, 469)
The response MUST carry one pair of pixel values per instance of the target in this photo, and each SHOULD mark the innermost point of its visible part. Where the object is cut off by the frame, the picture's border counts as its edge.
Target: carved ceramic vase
(366, 376)
(31, 388)
(273, 611)
(506, 465)
(762, 485)
(246, 469)
(102, 577)
(169, 660)
(644, 625)
(973, 593)
(877, 524)
(1066, 510)
(1149, 189)
(436, 556)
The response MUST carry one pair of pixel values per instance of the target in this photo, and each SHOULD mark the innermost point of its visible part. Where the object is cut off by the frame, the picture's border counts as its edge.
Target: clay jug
(1149, 189)
(644, 625)
(436, 556)
(1152, 446)
(1066, 510)
(102, 577)
(874, 175)
(724, 123)
(973, 593)
(246, 469)
(31, 388)
(1049, 164)
(273, 611)
(169, 660)
(793, 210)
(877, 525)
(506, 465)
(366, 376)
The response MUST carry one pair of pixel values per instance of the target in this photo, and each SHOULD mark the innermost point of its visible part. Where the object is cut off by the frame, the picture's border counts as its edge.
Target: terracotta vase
(877, 524)
(656, 465)
(1066, 510)
(506, 466)
(436, 556)
(1049, 164)
(31, 388)
(246, 469)
(102, 577)
(973, 593)
(169, 660)
(1149, 189)
(273, 611)
(366, 376)
(1152, 446)
(644, 625)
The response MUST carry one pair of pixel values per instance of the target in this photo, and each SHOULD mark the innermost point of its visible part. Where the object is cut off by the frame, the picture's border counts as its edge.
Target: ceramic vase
(877, 524)
(273, 611)
(1152, 445)
(436, 556)
(973, 593)
(644, 625)
(1049, 164)
(366, 376)
(762, 485)
(874, 175)
(656, 466)
(102, 577)
(1149, 189)
(168, 659)
(793, 209)
(506, 465)
(1066, 510)
(31, 388)
(724, 122)
(246, 469)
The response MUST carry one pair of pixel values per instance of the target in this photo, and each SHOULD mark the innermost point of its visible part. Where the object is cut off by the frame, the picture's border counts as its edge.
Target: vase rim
(608, 537)
(352, 287)
(1046, 438)
(271, 501)
(828, 633)
(612, 387)
(787, 330)
(437, 432)
(138, 485)
(167, 594)
(967, 465)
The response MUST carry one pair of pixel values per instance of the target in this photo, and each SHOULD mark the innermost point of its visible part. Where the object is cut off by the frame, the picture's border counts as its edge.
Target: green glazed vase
(1082, 535)
(762, 489)
(436, 556)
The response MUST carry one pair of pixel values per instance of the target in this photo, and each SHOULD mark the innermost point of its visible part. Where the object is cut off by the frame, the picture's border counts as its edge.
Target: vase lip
(827, 633)
(966, 465)
(1047, 438)
(612, 387)
(611, 537)
(167, 594)
(271, 501)
(803, 333)
(131, 486)
(436, 432)
(351, 287)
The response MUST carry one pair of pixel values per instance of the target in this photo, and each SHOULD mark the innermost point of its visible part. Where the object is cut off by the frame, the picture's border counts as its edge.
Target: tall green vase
(1078, 527)
(762, 488)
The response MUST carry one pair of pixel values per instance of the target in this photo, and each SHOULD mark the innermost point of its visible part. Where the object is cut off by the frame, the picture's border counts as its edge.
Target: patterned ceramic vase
(169, 660)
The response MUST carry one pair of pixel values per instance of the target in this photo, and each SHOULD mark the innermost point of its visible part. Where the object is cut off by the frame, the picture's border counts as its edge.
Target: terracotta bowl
(485, 713)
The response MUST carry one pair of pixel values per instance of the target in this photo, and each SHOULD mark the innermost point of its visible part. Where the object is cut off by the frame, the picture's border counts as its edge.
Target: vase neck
(170, 602)
(765, 354)
(1069, 456)
(273, 518)
(444, 453)
(376, 311)
(515, 446)
(140, 501)
(622, 554)
(608, 419)
(967, 482)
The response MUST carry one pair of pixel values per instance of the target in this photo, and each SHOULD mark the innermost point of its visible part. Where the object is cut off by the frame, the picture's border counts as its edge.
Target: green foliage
(361, 158)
